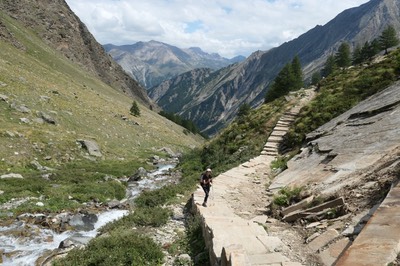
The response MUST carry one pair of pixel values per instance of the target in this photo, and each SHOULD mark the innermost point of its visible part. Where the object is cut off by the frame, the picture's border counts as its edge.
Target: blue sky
(227, 27)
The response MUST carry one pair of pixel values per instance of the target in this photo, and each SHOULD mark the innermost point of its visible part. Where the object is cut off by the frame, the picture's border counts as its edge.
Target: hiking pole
(212, 194)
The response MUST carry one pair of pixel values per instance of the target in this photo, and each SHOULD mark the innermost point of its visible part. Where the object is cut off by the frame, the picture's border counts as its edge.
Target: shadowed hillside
(61, 29)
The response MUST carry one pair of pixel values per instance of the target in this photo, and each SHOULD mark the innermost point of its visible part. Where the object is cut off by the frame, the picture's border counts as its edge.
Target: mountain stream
(21, 244)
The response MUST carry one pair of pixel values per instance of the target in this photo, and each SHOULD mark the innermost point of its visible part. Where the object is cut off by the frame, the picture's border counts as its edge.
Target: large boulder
(11, 175)
(91, 146)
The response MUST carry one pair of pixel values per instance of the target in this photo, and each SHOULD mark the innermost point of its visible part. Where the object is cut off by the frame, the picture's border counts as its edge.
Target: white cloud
(227, 27)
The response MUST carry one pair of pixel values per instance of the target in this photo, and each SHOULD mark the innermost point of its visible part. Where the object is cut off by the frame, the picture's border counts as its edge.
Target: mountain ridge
(248, 81)
(153, 62)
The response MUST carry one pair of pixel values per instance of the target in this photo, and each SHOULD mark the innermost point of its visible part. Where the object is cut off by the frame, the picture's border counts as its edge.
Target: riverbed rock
(76, 240)
(168, 151)
(114, 204)
(140, 174)
(84, 222)
(66, 244)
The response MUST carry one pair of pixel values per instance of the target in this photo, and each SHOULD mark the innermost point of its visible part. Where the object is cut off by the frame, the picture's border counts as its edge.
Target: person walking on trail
(205, 182)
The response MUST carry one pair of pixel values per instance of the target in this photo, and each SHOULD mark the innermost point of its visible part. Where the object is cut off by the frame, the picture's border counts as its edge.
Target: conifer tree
(135, 109)
(281, 84)
(315, 78)
(388, 38)
(244, 110)
(298, 82)
(290, 78)
(330, 66)
(343, 55)
(357, 56)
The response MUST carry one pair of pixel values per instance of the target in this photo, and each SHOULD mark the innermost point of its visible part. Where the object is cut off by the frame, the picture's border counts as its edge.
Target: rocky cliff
(248, 81)
(60, 28)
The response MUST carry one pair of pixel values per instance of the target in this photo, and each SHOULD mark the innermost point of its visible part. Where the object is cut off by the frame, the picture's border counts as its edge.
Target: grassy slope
(84, 108)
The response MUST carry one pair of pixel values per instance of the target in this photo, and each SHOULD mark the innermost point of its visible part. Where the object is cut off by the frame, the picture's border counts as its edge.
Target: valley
(305, 178)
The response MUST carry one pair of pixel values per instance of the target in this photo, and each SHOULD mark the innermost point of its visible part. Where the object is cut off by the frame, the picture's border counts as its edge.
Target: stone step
(271, 144)
(274, 139)
(279, 128)
(278, 133)
(286, 119)
(291, 113)
(271, 147)
(283, 123)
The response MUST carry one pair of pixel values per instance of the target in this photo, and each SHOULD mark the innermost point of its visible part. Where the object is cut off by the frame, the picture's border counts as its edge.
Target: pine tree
(290, 78)
(330, 66)
(388, 38)
(298, 82)
(244, 110)
(357, 56)
(281, 84)
(343, 55)
(315, 78)
(135, 109)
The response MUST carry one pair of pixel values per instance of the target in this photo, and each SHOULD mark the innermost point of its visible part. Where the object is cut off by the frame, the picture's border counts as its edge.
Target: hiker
(205, 182)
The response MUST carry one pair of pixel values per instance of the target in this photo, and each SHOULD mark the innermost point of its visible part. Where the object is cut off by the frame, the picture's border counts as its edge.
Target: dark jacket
(205, 180)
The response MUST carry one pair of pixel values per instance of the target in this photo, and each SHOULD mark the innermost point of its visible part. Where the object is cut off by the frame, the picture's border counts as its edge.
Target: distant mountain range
(150, 63)
(212, 99)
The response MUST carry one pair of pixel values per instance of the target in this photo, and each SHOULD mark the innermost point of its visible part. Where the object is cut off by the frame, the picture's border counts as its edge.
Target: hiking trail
(236, 230)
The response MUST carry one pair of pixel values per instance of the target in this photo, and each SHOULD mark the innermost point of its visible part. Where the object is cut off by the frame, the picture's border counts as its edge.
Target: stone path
(231, 239)
(233, 235)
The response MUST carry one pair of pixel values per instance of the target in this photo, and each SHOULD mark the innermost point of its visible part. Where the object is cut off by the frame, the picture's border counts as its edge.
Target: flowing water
(26, 248)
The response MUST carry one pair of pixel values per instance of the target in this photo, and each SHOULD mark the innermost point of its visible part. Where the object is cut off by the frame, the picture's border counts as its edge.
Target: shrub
(287, 195)
(195, 239)
(279, 163)
(157, 197)
(121, 247)
(154, 217)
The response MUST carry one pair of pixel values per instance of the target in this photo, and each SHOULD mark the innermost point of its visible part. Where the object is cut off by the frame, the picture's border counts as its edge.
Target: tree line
(290, 78)
(361, 54)
(186, 123)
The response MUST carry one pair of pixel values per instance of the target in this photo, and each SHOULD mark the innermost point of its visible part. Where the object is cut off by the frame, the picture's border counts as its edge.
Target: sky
(226, 27)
